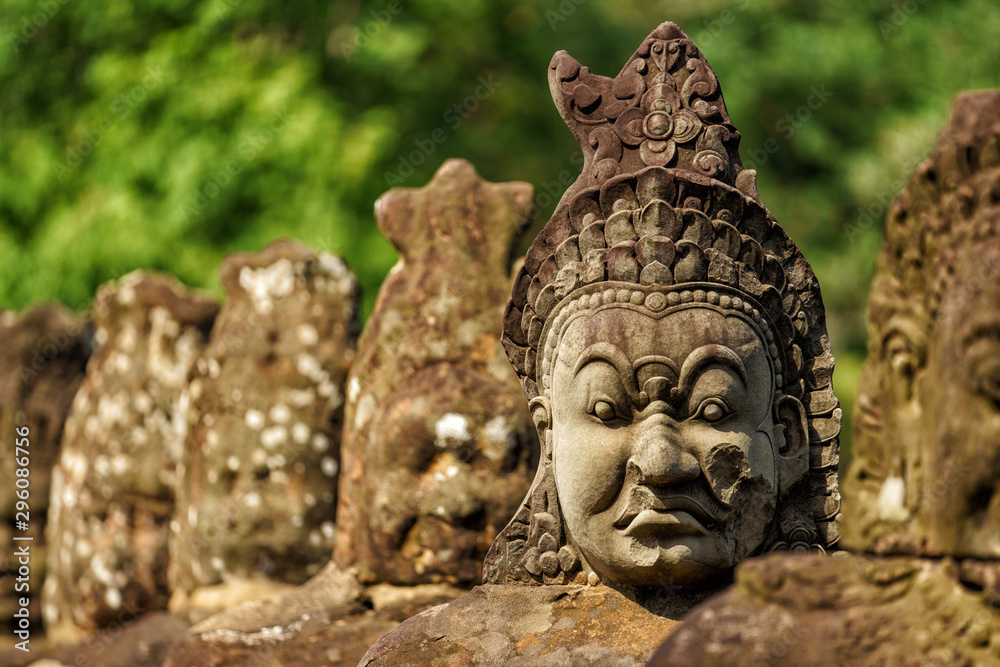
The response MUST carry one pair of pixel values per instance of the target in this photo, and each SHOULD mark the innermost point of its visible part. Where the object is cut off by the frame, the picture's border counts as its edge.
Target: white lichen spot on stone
(102, 466)
(258, 457)
(266, 285)
(175, 526)
(309, 499)
(302, 398)
(214, 369)
(101, 336)
(276, 461)
(120, 464)
(279, 413)
(83, 550)
(366, 407)
(500, 439)
(252, 500)
(314, 538)
(353, 389)
(126, 295)
(297, 520)
(329, 466)
(233, 463)
(320, 443)
(122, 363)
(452, 470)
(100, 570)
(218, 564)
(213, 477)
(212, 439)
(328, 530)
(451, 428)
(307, 334)
(192, 515)
(307, 365)
(254, 419)
(113, 598)
(127, 338)
(328, 390)
(142, 402)
(274, 436)
(170, 354)
(335, 268)
(891, 497)
(300, 433)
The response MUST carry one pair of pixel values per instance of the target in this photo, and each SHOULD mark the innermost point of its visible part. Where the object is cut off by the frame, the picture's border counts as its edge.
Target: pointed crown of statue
(664, 215)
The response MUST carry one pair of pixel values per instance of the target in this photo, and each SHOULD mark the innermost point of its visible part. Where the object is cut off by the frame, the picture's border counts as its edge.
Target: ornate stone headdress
(664, 215)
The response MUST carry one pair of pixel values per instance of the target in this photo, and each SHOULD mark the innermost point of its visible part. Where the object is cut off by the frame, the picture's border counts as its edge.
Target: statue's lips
(690, 510)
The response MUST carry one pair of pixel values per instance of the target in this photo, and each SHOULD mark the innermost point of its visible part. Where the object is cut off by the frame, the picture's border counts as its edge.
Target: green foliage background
(165, 133)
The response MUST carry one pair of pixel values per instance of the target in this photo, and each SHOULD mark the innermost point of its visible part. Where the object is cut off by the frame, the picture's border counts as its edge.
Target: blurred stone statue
(921, 495)
(438, 446)
(670, 340)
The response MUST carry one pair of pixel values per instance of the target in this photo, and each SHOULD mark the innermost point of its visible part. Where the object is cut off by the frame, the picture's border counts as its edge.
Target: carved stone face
(453, 455)
(665, 449)
(957, 410)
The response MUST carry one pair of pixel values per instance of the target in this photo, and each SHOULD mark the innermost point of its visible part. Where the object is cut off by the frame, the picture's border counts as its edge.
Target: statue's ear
(541, 415)
(791, 441)
(904, 350)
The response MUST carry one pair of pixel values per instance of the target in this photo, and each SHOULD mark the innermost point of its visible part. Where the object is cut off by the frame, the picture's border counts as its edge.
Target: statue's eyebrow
(616, 357)
(988, 329)
(710, 354)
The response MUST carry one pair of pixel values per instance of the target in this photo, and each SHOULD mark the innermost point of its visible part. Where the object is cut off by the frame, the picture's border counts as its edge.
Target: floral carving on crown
(665, 109)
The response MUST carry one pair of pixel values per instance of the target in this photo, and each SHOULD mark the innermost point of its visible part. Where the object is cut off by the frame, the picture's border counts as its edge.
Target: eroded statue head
(924, 478)
(670, 339)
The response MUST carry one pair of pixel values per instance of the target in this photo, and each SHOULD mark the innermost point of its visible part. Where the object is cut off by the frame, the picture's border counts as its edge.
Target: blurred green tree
(165, 133)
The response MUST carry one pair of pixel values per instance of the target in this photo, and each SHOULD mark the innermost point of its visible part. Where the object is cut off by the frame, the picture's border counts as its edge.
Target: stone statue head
(670, 339)
(924, 477)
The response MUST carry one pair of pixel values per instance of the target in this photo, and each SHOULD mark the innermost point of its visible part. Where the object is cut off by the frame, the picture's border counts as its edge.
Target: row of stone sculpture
(201, 454)
(670, 340)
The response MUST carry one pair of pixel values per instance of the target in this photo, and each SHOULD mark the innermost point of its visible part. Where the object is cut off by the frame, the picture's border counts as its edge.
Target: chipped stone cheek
(758, 509)
(725, 466)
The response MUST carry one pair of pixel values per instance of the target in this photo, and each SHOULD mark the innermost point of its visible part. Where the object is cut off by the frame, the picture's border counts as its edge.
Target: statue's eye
(988, 380)
(712, 410)
(605, 411)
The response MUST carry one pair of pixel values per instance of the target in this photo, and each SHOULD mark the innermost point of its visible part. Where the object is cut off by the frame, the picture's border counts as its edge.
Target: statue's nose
(660, 457)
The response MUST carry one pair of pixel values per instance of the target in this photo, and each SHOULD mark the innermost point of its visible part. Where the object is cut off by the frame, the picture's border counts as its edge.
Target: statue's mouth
(688, 509)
